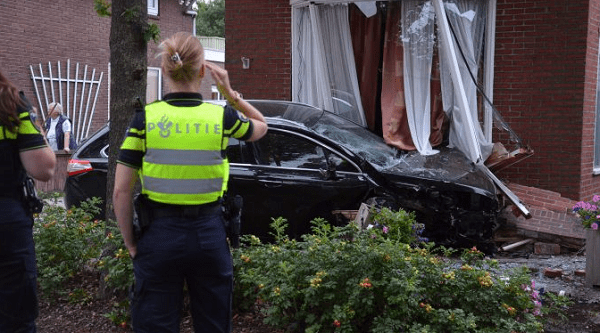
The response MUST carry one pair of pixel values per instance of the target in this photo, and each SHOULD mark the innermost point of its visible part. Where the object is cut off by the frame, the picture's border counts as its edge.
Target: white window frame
(596, 170)
(215, 90)
(153, 7)
(158, 87)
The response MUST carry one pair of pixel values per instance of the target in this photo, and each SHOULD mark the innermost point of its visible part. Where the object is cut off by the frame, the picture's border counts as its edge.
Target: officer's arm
(237, 102)
(258, 120)
(125, 178)
(39, 163)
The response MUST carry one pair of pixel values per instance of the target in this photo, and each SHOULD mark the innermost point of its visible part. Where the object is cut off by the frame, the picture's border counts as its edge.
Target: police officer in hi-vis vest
(177, 147)
(24, 152)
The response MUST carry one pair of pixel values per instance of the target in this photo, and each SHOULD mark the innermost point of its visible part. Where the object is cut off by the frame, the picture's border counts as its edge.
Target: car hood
(449, 166)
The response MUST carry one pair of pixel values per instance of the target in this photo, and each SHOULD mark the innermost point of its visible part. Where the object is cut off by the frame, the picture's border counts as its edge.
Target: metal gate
(74, 92)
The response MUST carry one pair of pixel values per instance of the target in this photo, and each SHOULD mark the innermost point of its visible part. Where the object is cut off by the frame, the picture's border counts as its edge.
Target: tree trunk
(128, 67)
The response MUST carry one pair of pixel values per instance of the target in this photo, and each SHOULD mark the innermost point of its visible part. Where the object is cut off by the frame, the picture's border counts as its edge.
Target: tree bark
(128, 68)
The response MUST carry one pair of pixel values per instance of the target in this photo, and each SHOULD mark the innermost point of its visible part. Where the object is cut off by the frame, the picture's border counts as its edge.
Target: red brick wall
(261, 31)
(590, 184)
(35, 32)
(545, 89)
(551, 213)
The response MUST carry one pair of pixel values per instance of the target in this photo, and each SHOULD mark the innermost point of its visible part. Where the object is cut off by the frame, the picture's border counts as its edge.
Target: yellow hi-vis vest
(183, 163)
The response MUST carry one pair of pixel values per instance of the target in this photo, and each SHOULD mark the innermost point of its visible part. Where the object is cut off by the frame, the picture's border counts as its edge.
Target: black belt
(185, 211)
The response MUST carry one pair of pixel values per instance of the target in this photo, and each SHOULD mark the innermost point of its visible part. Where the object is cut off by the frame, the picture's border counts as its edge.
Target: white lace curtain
(324, 71)
(418, 40)
(467, 18)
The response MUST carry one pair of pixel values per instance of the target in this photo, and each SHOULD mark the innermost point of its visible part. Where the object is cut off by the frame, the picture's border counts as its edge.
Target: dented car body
(313, 162)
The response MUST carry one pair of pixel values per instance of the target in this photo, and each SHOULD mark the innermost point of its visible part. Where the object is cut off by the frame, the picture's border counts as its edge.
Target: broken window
(324, 73)
(418, 65)
(424, 71)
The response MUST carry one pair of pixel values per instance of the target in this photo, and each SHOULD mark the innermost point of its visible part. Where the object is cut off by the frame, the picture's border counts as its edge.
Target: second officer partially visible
(177, 147)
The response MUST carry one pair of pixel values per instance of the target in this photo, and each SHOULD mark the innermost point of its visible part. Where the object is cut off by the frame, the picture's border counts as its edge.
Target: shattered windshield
(448, 164)
(348, 134)
(358, 140)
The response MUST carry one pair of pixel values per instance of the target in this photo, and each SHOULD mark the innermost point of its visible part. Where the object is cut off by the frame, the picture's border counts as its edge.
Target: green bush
(66, 242)
(337, 279)
(70, 241)
(342, 279)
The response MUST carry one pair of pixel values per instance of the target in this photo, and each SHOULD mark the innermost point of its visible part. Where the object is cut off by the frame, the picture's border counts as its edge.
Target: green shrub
(66, 242)
(115, 262)
(70, 241)
(342, 279)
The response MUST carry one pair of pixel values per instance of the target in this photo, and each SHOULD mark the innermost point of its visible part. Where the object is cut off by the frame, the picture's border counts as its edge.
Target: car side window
(239, 152)
(341, 164)
(279, 149)
(96, 148)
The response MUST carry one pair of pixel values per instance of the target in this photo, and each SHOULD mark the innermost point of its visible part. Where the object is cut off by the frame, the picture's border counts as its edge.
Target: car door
(297, 178)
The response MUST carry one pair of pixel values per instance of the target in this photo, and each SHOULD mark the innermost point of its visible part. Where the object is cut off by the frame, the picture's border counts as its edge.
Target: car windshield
(357, 139)
(348, 134)
(448, 165)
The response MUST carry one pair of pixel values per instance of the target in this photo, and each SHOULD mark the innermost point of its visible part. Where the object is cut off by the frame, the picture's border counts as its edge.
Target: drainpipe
(191, 9)
(193, 14)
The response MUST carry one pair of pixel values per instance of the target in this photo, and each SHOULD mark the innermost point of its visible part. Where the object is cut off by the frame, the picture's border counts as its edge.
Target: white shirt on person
(51, 135)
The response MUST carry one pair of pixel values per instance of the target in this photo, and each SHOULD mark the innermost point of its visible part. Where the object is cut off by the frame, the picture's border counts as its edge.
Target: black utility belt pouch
(141, 218)
(32, 201)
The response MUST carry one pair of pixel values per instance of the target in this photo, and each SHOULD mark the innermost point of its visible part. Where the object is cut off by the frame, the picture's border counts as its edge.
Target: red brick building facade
(546, 63)
(40, 32)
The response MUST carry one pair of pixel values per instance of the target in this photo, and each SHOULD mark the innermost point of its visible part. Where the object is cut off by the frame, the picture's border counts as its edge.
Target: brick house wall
(261, 31)
(545, 88)
(545, 79)
(35, 32)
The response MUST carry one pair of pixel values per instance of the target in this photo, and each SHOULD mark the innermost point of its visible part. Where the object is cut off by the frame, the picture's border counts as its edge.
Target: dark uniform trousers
(181, 248)
(18, 295)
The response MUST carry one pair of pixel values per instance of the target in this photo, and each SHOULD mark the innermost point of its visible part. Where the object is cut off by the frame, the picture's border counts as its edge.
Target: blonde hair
(182, 57)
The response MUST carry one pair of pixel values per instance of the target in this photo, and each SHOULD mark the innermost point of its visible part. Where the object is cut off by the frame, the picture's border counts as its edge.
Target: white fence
(76, 93)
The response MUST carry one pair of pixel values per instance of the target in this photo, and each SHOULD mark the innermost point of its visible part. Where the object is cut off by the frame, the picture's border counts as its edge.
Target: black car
(312, 163)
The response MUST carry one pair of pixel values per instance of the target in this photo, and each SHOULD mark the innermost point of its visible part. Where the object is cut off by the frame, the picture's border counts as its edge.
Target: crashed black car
(313, 163)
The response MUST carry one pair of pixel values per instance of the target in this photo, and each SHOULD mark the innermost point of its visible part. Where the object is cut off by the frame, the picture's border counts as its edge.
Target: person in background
(24, 151)
(58, 129)
(177, 147)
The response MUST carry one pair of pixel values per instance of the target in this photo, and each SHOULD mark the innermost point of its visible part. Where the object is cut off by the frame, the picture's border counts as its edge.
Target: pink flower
(385, 230)
(596, 198)
(595, 226)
